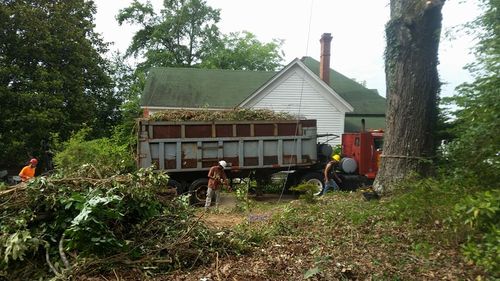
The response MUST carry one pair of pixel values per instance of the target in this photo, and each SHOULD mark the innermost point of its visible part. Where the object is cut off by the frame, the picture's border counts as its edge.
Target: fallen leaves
(334, 248)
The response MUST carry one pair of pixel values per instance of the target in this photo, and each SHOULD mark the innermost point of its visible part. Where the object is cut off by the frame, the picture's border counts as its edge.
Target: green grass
(409, 235)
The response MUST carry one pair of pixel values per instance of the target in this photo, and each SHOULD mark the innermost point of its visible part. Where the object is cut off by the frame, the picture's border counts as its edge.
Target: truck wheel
(198, 190)
(175, 184)
(315, 179)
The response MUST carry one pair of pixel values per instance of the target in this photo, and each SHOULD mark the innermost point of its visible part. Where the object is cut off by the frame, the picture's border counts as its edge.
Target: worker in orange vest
(28, 171)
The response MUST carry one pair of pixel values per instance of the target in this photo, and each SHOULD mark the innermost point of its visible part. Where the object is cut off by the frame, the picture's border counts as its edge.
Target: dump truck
(187, 149)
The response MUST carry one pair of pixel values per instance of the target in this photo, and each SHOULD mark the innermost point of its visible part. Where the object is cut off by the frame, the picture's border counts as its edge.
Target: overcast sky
(357, 28)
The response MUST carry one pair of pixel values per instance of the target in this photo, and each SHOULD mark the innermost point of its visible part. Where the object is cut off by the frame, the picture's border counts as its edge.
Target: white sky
(357, 28)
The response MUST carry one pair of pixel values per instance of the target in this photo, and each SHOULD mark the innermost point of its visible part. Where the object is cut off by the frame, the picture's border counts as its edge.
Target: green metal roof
(193, 87)
(216, 88)
(363, 100)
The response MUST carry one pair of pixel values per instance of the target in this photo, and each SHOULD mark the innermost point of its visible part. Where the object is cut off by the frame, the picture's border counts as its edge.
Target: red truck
(360, 159)
(361, 156)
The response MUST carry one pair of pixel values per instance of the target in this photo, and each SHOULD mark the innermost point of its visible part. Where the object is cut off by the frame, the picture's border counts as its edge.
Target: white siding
(296, 95)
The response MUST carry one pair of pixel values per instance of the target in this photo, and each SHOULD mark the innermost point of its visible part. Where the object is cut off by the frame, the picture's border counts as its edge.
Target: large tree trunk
(412, 86)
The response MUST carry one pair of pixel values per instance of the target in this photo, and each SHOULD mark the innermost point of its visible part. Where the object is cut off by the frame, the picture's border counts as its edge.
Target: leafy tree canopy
(242, 51)
(185, 34)
(53, 78)
(179, 35)
(129, 84)
(477, 145)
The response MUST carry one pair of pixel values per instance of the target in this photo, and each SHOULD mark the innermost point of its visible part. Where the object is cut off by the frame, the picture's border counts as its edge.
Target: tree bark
(412, 80)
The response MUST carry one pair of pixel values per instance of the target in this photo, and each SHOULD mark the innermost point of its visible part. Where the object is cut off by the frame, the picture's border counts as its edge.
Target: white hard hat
(223, 163)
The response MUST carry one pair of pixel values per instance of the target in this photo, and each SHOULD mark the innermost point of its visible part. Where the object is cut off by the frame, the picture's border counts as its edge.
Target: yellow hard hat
(336, 157)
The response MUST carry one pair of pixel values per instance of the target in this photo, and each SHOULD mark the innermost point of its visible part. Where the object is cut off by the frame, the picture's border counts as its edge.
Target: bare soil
(224, 217)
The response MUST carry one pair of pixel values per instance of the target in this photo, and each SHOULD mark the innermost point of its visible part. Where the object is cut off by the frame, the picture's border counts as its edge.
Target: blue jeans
(329, 184)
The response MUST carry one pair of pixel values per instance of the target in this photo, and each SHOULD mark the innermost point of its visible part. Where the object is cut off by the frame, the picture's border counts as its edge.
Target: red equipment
(365, 149)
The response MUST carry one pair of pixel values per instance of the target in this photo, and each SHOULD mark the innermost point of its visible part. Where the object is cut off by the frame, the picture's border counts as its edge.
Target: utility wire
(300, 103)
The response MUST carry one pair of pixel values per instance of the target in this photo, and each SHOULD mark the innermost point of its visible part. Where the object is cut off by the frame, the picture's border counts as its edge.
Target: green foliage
(180, 35)
(103, 223)
(100, 157)
(237, 114)
(275, 185)
(425, 201)
(307, 190)
(129, 84)
(481, 212)
(88, 231)
(422, 248)
(476, 119)
(473, 155)
(337, 149)
(185, 34)
(16, 245)
(476, 126)
(311, 272)
(53, 78)
(246, 235)
(286, 221)
(242, 51)
(440, 202)
(243, 203)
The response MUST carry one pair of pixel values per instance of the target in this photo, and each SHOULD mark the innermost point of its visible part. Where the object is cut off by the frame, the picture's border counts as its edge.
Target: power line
(300, 101)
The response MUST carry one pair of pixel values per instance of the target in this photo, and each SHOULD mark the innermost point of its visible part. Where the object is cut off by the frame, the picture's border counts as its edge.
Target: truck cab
(365, 148)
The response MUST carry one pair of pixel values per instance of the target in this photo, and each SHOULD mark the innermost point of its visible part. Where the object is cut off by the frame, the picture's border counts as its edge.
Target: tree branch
(62, 254)
(47, 258)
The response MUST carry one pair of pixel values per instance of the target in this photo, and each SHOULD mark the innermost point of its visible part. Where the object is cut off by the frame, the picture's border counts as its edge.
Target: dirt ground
(224, 217)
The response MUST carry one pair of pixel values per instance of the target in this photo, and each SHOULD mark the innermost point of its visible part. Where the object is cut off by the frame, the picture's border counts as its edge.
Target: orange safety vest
(27, 173)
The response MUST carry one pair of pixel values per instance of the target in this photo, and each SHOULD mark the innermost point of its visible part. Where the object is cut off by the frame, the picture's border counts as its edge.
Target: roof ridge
(342, 75)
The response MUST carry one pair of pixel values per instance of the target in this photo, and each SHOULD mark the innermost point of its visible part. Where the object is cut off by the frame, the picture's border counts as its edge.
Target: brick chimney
(324, 62)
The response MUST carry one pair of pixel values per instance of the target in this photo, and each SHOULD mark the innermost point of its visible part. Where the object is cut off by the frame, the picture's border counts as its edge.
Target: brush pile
(237, 114)
(65, 226)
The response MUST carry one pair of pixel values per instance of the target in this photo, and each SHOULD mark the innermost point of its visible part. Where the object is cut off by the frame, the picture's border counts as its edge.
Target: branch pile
(237, 114)
(78, 224)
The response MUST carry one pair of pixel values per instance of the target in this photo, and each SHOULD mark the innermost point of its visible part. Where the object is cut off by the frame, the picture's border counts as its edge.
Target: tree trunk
(412, 87)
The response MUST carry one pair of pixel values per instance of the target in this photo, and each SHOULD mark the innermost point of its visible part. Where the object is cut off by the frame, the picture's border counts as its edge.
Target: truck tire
(175, 184)
(198, 190)
(315, 179)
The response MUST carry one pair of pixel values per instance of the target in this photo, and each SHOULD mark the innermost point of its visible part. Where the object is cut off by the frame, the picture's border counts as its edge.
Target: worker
(330, 175)
(28, 171)
(216, 178)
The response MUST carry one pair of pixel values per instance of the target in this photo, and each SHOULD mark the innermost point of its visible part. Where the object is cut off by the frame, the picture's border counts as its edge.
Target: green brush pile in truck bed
(239, 114)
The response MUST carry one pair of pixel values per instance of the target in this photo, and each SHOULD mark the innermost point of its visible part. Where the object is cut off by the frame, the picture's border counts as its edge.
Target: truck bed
(197, 145)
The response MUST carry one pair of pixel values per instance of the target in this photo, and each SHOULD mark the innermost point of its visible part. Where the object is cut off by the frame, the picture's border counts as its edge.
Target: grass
(403, 237)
